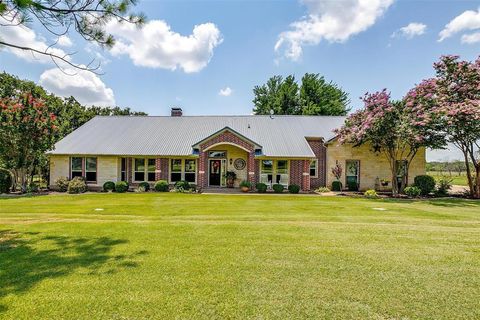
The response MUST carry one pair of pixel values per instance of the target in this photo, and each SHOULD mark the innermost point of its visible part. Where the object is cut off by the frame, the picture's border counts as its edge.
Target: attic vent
(176, 112)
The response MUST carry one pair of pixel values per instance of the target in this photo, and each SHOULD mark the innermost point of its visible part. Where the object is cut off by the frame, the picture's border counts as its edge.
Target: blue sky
(235, 48)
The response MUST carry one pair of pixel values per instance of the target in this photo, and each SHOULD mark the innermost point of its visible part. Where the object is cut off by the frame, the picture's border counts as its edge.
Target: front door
(215, 175)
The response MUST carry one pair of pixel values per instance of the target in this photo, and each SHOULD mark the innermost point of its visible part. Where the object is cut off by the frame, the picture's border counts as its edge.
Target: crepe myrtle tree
(451, 104)
(388, 127)
(85, 17)
(27, 131)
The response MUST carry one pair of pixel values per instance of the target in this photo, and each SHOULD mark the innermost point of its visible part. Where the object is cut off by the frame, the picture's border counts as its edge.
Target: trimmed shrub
(261, 187)
(109, 186)
(278, 188)
(245, 183)
(77, 185)
(352, 186)
(145, 185)
(336, 186)
(62, 184)
(161, 186)
(371, 194)
(425, 183)
(5, 181)
(293, 188)
(121, 186)
(33, 187)
(182, 186)
(322, 190)
(412, 191)
(443, 185)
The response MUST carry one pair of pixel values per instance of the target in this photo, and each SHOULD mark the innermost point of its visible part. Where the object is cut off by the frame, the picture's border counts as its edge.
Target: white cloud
(64, 41)
(469, 20)
(471, 38)
(411, 30)
(333, 21)
(155, 45)
(227, 91)
(23, 36)
(85, 86)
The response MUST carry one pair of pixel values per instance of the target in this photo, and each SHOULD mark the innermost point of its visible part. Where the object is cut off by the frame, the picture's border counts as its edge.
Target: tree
(452, 104)
(388, 127)
(27, 131)
(87, 17)
(314, 96)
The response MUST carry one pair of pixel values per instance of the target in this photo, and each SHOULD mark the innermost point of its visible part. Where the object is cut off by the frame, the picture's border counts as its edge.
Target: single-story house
(287, 150)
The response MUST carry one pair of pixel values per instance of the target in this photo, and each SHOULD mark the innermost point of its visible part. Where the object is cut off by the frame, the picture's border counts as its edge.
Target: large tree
(451, 102)
(86, 17)
(387, 127)
(313, 96)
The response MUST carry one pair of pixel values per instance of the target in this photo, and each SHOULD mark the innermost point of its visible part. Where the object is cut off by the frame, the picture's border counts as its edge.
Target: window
(274, 171)
(91, 169)
(313, 168)
(139, 170)
(352, 172)
(175, 170)
(217, 154)
(402, 173)
(77, 167)
(190, 169)
(151, 170)
(123, 169)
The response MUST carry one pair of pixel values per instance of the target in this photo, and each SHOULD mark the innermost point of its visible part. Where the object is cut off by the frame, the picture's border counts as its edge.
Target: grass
(458, 180)
(231, 256)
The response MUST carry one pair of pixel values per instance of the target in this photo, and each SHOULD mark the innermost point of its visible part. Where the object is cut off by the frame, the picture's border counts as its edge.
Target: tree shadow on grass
(443, 202)
(27, 259)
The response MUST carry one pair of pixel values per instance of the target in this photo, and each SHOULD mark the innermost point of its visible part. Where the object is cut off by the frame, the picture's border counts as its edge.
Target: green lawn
(458, 180)
(232, 256)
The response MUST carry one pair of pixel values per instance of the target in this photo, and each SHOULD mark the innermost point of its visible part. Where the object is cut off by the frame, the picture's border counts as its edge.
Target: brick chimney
(176, 112)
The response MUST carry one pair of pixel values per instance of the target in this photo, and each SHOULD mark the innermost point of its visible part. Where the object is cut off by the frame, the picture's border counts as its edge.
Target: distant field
(458, 180)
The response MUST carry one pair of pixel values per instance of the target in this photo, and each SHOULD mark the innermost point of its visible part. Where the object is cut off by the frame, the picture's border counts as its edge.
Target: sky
(206, 56)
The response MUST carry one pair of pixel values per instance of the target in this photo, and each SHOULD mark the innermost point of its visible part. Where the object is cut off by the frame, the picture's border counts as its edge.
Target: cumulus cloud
(468, 20)
(156, 45)
(64, 41)
(471, 38)
(227, 91)
(333, 21)
(85, 86)
(23, 36)
(411, 30)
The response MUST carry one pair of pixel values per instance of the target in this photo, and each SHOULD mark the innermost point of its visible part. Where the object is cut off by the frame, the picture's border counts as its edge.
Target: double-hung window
(183, 169)
(151, 170)
(123, 169)
(84, 167)
(274, 172)
(144, 170)
(314, 168)
(352, 172)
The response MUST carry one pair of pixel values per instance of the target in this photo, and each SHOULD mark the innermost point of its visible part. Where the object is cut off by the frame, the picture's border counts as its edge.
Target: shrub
(77, 185)
(352, 186)
(293, 188)
(109, 186)
(261, 187)
(278, 188)
(412, 191)
(62, 184)
(336, 186)
(245, 183)
(161, 186)
(371, 194)
(322, 190)
(144, 185)
(33, 187)
(425, 183)
(5, 181)
(182, 186)
(443, 185)
(121, 186)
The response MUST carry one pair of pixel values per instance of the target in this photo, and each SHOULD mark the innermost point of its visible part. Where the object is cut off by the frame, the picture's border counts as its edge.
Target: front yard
(136, 256)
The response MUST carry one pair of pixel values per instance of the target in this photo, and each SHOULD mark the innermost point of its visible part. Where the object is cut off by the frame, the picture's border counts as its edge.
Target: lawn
(233, 256)
(458, 180)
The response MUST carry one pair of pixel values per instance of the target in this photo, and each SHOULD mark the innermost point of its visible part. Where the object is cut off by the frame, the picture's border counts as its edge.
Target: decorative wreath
(239, 164)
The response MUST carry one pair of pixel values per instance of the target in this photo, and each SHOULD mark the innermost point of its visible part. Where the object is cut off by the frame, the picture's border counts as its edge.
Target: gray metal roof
(281, 136)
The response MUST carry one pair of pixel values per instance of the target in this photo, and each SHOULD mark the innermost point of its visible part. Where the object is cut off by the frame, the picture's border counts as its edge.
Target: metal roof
(279, 136)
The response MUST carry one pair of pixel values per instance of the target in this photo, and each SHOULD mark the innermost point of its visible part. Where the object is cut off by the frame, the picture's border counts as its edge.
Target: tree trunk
(476, 191)
(469, 174)
(394, 178)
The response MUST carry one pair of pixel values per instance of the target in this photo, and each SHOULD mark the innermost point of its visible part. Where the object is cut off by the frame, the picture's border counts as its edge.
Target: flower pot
(245, 189)
(230, 182)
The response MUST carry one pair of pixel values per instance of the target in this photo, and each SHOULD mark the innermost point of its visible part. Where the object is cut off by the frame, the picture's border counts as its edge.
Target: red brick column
(306, 175)
(202, 169)
(158, 169)
(251, 170)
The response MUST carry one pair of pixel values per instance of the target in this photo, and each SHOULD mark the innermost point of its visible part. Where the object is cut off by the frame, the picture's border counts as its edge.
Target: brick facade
(320, 152)
(299, 173)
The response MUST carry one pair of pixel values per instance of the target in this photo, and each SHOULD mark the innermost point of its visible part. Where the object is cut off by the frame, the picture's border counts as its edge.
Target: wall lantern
(231, 161)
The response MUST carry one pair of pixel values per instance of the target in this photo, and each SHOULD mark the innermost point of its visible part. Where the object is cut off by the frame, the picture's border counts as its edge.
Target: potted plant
(231, 176)
(245, 186)
(384, 182)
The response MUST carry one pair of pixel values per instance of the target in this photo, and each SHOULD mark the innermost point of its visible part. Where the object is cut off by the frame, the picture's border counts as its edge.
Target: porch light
(231, 161)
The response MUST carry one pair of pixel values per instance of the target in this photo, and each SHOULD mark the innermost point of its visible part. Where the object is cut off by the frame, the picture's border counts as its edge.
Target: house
(288, 150)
